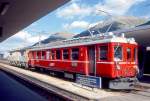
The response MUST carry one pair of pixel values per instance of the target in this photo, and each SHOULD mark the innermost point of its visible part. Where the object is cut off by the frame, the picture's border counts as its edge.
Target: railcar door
(91, 57)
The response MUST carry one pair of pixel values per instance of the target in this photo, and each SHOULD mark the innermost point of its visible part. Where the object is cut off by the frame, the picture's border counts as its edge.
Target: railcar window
(75, 54)
(48, 55)
(128, 53)
(65, 54)
(43, 54)
(53, 55)
(135, 54)
(103, 52)
(32, 55)
(35, 55)
(58, 54)
(38, 55)
(118, 53)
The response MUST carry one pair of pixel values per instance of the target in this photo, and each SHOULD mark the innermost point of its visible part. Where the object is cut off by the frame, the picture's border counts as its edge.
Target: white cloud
(74, 10)
(21, 35)
(27, 37)
(78, 10)
(21, 39)
(81, 24)
(36, 39)
(117, 7)
(76, 24)
(95, 23)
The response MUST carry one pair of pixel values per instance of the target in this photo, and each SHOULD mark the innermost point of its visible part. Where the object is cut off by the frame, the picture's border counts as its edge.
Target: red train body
(103, 56)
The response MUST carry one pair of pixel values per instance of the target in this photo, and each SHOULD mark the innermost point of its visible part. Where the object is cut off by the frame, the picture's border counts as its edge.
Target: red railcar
(109, 56)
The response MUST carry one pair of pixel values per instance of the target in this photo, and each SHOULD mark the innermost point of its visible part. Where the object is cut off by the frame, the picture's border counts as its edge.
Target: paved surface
(127, 97)
(102, 95)
(11, 90)
(58, 85)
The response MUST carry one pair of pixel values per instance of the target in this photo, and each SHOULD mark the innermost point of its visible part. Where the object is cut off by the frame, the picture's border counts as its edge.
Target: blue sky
(75, 17)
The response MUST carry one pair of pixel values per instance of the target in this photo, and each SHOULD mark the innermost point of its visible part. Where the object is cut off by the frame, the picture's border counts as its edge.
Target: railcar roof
(88, 40)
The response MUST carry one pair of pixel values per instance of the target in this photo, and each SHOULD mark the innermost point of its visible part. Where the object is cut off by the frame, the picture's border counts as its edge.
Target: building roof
(18, 14)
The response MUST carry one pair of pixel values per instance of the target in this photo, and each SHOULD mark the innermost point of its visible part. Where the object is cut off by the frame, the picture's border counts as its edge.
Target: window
(118, 53)
(135, 54)
(31, 54)
(65, 54)
(38, 55)
(53, 55)
(48, 55)
(128, 53)
(103, 52)
(58, 54)
(43, 55)
(35, 55)
(75, 54)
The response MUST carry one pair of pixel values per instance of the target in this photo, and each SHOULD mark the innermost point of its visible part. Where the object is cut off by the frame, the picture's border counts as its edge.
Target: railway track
(50, 96)
(45, 90)
(47, 94)
(141, 90)
(72, 93)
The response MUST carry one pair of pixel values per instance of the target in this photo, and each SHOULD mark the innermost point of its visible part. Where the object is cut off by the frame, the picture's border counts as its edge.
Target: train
(19, 57)
(112, 57)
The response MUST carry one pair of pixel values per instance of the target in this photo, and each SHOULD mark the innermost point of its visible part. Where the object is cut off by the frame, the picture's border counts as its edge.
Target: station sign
(90, 81)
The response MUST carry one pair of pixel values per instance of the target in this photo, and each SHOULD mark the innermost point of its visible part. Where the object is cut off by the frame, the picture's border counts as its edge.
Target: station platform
(71, 90)
(11, 90)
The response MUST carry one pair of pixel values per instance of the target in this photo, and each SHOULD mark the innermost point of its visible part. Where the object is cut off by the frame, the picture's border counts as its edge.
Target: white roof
(88, 40)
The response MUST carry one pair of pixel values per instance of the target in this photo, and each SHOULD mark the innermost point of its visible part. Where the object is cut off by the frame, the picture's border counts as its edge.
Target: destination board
(90, 81)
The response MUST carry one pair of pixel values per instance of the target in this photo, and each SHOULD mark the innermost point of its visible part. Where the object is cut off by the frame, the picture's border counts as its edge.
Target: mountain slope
(116, 24)
(55, 37)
